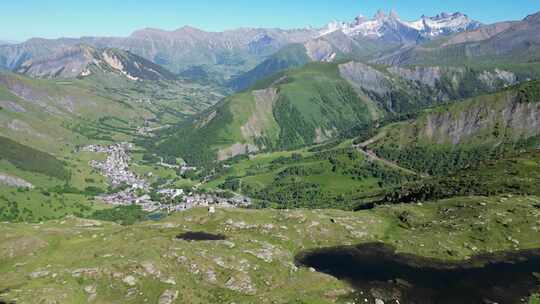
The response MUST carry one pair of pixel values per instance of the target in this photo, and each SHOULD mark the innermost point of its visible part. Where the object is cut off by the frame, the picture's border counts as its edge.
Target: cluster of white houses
(116, 166)
(137, 189)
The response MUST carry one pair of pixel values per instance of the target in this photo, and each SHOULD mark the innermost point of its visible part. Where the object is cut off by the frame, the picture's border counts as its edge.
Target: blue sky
(23, 19)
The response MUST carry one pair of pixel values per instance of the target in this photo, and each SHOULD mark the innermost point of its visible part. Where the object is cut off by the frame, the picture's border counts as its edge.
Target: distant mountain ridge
(84, 60)
(227, 52)
(5, 42)
(233, 52)
(363, 39)
(510, 42)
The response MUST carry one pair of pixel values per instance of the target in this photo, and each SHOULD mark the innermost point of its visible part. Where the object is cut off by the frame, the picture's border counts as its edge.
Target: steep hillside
(482, 138)
(36, 111)
(408, 89)
(43, 122)
(398, 89)
(451, 137)
(332, 47)
(45, 113)
(291, 56)
(320, 101)
(28, 159)
(296, 108)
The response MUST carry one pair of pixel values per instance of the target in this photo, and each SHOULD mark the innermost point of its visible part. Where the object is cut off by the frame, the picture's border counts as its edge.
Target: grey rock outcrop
(14, 181)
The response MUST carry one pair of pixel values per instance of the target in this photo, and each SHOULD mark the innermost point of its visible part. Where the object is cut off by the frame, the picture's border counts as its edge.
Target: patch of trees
(194, 145)
(68, 189)
(124, 215)
(529, 92)
(514, 174)
(294, 130)
(435, 160)
(292, 188)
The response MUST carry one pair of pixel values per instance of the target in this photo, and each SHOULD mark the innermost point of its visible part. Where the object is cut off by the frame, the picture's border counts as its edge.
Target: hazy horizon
(63, 18)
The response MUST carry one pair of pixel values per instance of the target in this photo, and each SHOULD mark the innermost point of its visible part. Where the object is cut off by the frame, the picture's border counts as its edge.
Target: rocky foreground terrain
(84, 261)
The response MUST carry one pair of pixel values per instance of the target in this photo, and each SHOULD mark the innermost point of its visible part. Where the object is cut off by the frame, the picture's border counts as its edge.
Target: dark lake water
(377, 271)
(156, 216)
(200, 236)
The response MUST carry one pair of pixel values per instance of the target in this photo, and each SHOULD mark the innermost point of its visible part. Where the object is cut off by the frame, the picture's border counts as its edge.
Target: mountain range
(238, 58)
(229, 51)
(511, 42)
(391, 27)
(236, 51)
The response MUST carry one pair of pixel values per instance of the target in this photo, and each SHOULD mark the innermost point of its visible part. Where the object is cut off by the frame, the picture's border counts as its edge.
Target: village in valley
(130, 188)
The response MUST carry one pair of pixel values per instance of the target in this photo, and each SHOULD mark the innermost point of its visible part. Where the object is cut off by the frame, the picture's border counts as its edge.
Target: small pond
(376, 271)
(200, 236)
(156, 216)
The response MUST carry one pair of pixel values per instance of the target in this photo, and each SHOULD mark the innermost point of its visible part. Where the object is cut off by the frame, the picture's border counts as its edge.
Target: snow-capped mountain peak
(425, 27)
(445, 23)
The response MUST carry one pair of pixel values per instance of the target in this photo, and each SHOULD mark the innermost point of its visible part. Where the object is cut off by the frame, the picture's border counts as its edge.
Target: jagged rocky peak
(445, 23)
(382, 23)
(380, 15)
(360, 19)
(394, 14)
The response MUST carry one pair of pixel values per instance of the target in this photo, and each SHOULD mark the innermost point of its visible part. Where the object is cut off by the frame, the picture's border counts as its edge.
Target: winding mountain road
(370, 155)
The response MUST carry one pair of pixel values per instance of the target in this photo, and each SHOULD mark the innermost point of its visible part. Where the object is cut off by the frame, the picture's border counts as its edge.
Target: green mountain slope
(28, 159)
(459, 149)
(291, 56)
(50, 113)
(294, 109)
(334, 47)
(450, 137)
(515, 175)
(318, 102)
